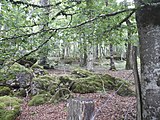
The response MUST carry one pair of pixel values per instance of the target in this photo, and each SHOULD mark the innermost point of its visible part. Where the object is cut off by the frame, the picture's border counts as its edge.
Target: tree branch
(103, 16)
(32, 5)
(41, 45)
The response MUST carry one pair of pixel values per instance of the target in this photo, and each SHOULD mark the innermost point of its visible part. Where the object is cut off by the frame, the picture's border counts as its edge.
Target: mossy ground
(9, 107)
(40, 99)
(4, 91)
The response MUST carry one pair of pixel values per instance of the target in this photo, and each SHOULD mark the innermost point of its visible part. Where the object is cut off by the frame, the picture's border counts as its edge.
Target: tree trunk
(83, 53)
(148, 22)
(80, 109)
(129, 57)
(137, 83)
(129, 48)
(45, 49)
(90, 58)
(112, 65)
(97, 52)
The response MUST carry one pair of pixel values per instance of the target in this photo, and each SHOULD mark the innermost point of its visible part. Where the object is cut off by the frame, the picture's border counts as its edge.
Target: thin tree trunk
(112, 64)
(129, 57)
(129, 48)
(137, 83)
(43, 58)
(97, 52)
(90, 59)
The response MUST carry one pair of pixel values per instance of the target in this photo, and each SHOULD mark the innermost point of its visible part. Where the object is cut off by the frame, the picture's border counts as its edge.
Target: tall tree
(148, 22)
(112, 64)
(129, 48)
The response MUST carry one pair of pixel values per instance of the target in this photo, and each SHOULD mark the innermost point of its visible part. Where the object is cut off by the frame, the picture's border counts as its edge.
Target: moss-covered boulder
(81, 73)
(16, 74)
(9, 107)
(4, 91)
(88, 82)
(44, 83)
(38, 70)
(40, 99)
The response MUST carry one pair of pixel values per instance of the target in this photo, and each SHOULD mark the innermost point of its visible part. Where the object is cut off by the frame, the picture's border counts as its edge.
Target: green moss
(90, 82)
(81, 73)
(20, 92)
(4, 91)
(16, 68)
(9, 107)
(11, 73)
(46, 82)
(39, 99)
(88, 85)
(37, 66)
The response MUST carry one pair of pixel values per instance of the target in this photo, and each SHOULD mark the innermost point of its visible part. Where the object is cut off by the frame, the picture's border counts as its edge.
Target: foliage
(25, 27)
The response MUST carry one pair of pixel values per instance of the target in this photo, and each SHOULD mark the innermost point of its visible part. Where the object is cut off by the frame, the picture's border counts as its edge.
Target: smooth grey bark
(83, 53)
(112, 64)
(129, 64)
(148, 23)
(129, 49)
(80, 109)
(90, 58)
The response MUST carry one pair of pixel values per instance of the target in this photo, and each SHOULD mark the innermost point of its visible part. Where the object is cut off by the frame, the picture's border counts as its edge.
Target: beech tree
(148, 22)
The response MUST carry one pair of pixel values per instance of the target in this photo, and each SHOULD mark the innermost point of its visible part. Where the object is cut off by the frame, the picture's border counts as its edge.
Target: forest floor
(112, 106)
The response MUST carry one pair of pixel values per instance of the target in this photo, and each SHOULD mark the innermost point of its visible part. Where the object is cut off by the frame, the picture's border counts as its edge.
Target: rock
(88, 82)
(44, 83)
(24, 79)
(38, 70)
(81, 73)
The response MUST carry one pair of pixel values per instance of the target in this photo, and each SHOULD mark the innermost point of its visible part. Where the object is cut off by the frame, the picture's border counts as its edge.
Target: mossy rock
(9, 107)
(4, 91)
(45, 83)
(17, 68)
(39, 70)
(20, 93)
(12, 72)
(89, 82)
(40, 99)
(81, 73)
(87, 85)
(66, 81)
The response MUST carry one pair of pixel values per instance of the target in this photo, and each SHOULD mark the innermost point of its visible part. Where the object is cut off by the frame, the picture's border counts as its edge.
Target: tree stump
(80, 109)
